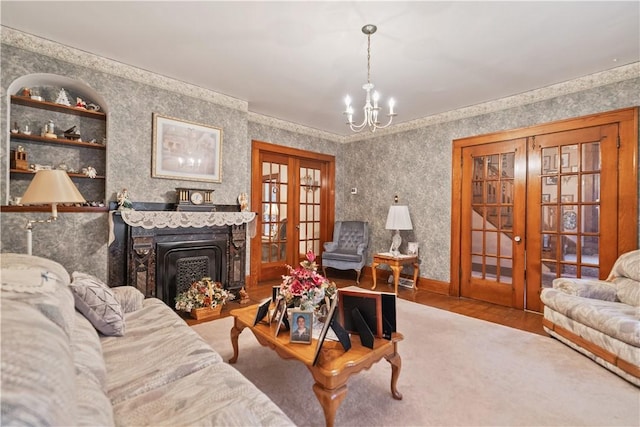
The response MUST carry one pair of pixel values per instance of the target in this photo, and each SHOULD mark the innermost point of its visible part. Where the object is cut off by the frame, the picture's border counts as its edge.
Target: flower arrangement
(305, 287)
(203, 293)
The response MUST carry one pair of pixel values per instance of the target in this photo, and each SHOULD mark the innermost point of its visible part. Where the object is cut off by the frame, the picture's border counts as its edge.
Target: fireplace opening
(179, 264)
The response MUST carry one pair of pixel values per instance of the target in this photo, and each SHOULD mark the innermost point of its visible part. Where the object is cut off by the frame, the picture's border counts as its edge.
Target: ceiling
(296, 61)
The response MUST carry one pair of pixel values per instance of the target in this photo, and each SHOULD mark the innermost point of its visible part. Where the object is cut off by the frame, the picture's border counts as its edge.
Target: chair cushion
(349, 256)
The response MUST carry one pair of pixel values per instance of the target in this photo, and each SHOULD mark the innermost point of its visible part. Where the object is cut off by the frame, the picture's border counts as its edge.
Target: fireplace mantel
(150, 244)
(169, 219)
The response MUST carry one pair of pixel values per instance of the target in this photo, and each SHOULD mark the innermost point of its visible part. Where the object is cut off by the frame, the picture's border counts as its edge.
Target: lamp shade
(51, 186)
(398, 218)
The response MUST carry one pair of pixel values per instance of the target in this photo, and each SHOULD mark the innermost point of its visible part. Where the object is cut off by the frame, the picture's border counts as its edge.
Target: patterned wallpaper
(412, 162)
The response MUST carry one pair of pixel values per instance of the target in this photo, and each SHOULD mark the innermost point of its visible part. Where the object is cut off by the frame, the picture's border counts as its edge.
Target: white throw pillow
(96, 301)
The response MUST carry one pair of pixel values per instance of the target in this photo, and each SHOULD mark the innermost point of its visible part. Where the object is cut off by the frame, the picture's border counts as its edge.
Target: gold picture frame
(186, 150)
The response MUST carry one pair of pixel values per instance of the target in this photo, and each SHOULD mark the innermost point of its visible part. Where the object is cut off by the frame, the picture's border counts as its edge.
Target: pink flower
(311, 256)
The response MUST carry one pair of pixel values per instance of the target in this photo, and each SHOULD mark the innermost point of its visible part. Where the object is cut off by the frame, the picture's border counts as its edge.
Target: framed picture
(551, 180)
(301, 326)
(262, 311)
(412, 248)
(546, 163)
(368, 303)
(186, 150)
(280, 316)
(565, 160)
(546, 198)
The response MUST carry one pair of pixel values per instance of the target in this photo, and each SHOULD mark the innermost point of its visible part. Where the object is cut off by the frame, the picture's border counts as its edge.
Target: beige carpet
(456, 371)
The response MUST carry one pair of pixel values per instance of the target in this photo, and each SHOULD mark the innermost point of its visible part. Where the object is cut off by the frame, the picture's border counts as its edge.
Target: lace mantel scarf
(175, 219)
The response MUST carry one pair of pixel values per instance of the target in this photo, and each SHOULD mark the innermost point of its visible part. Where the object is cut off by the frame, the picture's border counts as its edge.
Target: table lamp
(49, 187)
(398, 219)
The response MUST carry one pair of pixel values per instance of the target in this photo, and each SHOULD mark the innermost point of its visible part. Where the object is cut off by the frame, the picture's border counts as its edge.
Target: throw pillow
(130, 298)
(96, 301)
(628, 291)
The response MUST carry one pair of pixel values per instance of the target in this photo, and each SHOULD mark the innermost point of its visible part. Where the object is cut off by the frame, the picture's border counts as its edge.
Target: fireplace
(161, 252)
(179, 264)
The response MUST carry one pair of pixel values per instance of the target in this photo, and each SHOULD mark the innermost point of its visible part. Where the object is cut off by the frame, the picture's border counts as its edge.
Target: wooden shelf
(52, 106)
(62, 141)
(72, 175)
(47, 208)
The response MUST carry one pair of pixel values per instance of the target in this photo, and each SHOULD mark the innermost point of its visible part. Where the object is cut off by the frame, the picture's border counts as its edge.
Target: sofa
(600, 318)
(75, 352)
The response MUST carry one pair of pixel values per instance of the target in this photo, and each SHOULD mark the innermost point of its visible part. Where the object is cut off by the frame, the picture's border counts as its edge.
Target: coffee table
(334, 367)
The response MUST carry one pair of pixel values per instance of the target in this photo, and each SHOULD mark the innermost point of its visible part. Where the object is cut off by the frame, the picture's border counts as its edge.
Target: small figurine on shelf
(244, 203)
(62, 98)
(72, 133)
(123, 200)
(15, 129)
(26, 92)
(89, 171)
(49, 130)
(81, 104)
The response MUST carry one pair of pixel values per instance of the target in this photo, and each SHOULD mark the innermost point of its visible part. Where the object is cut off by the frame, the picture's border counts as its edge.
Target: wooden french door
(493, 206)
(556, 200)
(292, 190)
(573, 179)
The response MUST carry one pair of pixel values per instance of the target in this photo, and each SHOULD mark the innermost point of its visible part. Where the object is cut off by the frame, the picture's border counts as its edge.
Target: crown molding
(75, 56)
(591, 81)
(82, 58)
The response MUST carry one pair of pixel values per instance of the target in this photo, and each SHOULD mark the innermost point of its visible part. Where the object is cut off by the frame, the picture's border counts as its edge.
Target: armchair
(348, 250)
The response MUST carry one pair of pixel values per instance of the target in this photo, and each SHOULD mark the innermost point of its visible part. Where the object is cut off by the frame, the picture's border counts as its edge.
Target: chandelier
(371, 108)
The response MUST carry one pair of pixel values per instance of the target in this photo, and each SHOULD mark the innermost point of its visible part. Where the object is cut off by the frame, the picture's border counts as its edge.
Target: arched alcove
(77, 143)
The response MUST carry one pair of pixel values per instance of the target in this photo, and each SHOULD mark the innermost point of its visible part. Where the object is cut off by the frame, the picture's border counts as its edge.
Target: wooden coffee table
(334, 367)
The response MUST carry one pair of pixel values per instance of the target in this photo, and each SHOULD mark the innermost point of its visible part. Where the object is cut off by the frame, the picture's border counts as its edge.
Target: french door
(493, 200)
(292, 190)
(557, 200)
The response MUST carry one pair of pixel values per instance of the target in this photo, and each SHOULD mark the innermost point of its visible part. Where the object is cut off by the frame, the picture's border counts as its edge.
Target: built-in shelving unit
(59, 152)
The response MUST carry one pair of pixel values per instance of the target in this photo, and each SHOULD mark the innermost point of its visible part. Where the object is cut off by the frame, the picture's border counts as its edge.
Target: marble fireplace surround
(158, 249)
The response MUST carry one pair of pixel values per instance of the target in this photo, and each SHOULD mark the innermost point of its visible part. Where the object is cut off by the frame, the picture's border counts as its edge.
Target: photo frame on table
(301, 326)
(412, 248)
(368, 304)
(280, 316)
(186, 150)
(332, 323)
(262, 311)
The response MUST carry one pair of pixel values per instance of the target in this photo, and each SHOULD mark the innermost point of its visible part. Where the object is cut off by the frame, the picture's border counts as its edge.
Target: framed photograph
(262, 311)
(546, 198)
(301, 326)
(186, 150)
(368, 303)
(551, 180)
(546, 163)
(412, 248)
(325, 328)
(564, 160)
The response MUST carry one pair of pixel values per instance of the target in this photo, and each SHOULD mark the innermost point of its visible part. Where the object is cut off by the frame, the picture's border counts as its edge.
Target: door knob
(517, 239)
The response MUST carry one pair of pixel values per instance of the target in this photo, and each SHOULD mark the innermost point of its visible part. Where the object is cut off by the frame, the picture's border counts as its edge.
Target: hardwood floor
(526, 321)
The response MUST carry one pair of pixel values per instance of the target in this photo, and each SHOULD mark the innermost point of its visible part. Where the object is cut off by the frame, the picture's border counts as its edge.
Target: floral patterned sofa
(76, 352)
(600, 318)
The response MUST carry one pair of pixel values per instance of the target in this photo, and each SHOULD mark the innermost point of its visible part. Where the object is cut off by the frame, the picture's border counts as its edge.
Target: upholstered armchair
(348, 250)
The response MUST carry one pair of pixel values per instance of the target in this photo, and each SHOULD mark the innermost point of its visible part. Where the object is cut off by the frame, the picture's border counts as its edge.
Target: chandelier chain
(369, 58)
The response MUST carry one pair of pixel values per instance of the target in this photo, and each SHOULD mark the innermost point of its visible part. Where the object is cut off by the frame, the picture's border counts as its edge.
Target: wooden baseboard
(622, 364)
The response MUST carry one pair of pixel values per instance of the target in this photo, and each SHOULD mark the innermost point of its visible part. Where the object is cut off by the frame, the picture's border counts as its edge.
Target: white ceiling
(297, 60)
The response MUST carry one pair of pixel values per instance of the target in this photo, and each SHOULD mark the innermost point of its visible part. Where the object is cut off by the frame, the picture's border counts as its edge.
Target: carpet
(456, 371)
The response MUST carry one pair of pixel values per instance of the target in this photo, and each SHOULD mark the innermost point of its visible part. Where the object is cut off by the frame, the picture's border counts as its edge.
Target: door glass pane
(506, 268)
(590, 219)
(591, 156)
(590, 187)
(508, 165)
(549, 160)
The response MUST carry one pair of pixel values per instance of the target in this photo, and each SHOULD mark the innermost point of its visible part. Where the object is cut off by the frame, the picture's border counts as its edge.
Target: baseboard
(424, 284)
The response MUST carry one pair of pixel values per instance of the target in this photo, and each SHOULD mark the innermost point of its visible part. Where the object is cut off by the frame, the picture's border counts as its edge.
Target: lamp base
(396, 241)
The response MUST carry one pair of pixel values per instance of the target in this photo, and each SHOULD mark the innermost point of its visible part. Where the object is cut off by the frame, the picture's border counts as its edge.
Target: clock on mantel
(195, 199)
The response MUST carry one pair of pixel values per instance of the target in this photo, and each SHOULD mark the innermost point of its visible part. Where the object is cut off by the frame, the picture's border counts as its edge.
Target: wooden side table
(396, 263)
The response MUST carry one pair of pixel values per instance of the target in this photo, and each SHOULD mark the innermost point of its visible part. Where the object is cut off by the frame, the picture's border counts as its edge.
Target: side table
(396, 263)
